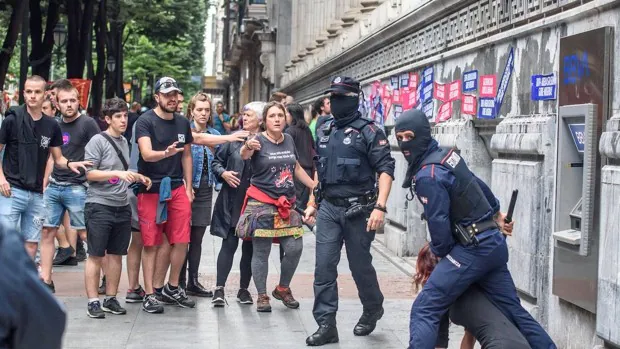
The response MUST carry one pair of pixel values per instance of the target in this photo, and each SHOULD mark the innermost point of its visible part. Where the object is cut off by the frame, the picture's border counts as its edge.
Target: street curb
(398, 262)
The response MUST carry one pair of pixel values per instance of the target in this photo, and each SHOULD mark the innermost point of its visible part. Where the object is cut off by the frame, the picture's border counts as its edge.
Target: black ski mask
(414, 149)
(344, 109)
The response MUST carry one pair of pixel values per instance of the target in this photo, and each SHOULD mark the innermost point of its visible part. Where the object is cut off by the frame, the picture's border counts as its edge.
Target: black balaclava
(344, 109)
(413, 150)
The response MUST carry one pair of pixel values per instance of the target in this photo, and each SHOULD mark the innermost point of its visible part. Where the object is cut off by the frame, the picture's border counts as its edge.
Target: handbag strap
(118, 151)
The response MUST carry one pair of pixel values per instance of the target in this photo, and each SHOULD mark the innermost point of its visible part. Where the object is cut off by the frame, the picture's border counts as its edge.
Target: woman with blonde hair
(268, 210)
(199, 112)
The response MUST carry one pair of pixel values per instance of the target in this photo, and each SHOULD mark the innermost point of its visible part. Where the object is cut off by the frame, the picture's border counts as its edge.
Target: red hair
(425, 264)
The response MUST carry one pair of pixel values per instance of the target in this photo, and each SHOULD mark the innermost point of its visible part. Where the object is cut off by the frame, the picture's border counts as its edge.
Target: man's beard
(166, 109)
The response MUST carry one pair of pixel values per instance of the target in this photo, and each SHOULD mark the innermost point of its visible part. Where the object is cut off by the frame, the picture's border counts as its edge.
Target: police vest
(466, 197)
(342, 155)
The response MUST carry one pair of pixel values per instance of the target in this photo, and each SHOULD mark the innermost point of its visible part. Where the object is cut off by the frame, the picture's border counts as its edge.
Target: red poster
(455, 91)
(468, 105)
(375, 87)
(488, 85)
(440, 92)
(404, 98)
(83, 87)
(413, 81)
(396, 96)
(445, 112)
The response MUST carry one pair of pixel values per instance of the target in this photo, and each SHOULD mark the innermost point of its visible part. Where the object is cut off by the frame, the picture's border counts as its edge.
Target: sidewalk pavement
(240, 326)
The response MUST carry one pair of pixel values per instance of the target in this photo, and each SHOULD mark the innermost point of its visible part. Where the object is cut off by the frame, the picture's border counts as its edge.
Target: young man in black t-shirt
(29, 137)
(66, 191)
(164, 139)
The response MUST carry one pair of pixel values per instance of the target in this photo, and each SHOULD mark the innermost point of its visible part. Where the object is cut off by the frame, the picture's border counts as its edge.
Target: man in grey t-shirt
(107, 212)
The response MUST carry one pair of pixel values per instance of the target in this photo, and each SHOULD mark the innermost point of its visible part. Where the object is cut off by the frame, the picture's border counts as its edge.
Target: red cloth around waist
(283, 204)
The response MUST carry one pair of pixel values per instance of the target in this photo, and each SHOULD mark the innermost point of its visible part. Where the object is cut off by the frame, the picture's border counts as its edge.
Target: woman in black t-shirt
(268, 212)
(299, 130)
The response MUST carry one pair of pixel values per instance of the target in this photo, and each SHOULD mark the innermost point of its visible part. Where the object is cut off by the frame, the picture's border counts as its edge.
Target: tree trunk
(11, 39)
(42, 44)
(100, 42)
(86, 29)
(74, 20)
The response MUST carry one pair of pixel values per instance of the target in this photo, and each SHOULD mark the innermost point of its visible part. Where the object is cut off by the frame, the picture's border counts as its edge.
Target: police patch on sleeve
(383, 142)
(424, 200)
(453, 160)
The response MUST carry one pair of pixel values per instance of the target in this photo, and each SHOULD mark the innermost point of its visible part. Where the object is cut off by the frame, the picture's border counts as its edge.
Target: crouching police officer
(459, 210)
(352, 151)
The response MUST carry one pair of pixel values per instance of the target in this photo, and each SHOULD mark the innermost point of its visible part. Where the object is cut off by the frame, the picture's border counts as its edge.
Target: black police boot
(194, 288)
(367, 322)
(324, 335)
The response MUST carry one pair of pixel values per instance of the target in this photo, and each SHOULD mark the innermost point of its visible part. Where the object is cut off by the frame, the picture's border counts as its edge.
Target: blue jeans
(60, 198)
(485, 266)
(24, 209)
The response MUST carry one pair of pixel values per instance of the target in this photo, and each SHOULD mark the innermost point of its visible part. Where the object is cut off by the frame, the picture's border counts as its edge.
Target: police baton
(303, 214)
(511, 207)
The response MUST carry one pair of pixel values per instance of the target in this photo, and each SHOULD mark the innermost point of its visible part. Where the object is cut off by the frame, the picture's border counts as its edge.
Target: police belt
(477, 228)
(346, 202)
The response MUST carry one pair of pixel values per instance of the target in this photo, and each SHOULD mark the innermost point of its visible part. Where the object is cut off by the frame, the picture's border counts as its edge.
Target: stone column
(267, 55)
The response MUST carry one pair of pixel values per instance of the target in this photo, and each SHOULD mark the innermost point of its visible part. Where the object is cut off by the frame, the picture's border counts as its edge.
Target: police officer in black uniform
(352, 153)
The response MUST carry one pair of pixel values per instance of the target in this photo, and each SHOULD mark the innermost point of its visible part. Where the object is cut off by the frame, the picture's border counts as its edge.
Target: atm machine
(575, 262)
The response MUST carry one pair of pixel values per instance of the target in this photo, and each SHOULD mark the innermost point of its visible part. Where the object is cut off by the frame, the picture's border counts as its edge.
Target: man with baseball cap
(352, 153)
(164, 139)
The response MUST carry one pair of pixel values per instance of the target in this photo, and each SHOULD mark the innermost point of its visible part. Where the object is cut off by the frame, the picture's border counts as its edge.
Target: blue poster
(544, 87)
(394, 82)
(486, 108)
(578, 132)
(503, 84)
(470, 81)
(428, 108)
(404, 80)
(427, 92)
(427, 76)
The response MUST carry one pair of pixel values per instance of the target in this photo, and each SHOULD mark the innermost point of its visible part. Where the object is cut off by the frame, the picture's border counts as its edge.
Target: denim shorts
(60, 198)
(24, 211)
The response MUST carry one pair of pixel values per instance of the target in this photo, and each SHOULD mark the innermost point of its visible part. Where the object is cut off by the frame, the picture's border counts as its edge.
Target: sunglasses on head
(168, 84)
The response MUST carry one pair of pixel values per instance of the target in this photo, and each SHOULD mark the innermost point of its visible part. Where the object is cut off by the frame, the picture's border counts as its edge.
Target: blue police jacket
(31, 318)
(350, 157)
(434, 185)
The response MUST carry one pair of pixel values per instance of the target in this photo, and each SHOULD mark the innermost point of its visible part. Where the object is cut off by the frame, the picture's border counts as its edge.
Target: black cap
(344, 84)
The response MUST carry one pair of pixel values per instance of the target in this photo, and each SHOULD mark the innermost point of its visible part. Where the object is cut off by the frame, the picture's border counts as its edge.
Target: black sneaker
(94, 310)
(219, 300)
(163, 299)
(102, 286)
(135, 296)
(50, 286)
(152, 305)
(111, 305)
(80, 252)
(69, 262)
(178, 296)
(62, 255)
(244, 296)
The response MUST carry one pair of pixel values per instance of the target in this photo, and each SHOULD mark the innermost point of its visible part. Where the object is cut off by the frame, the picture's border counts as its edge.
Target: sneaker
(219, 300)
(135, 296)
(111, 305)
(62, 255)
(69, 262)
(94, 310)
(152, 305)
(164, 299)
(80, 252)
(50, 286)
(286, 296)
(262, 304)
(102, 287)
(178, 296)
(244, 296)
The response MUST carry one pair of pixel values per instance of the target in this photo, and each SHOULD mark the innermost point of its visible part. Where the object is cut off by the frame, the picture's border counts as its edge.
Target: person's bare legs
(177, 258)
(31, 248)
(113, 274)
(91, 276)
(47, 253)
(162, 263)
(149, 255)
(134, 254)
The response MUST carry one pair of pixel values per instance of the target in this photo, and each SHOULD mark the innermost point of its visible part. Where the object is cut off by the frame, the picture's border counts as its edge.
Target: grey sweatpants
(260, 260)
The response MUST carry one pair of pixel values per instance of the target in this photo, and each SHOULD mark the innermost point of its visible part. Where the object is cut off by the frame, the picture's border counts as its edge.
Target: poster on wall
(468, 105)
(396, 95)
(454, 91)
(428, 108)
(544, 87)
(414, 80)
(398, 110)
(394, 82)
(503, 85)
(486, 108)
(428, 75)
(404, 80)
(440, 92)
(470, 81)
(487, 86)
(427, 92)
(445, 112)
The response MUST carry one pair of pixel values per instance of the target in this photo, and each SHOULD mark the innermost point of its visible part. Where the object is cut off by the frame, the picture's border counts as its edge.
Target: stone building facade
(567, 274)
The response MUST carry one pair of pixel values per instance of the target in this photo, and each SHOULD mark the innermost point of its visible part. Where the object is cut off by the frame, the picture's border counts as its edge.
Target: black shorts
(108, 229)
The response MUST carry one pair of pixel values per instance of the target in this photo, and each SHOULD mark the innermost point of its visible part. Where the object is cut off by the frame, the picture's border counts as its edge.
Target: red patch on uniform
(383, 142)
(424, 200)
